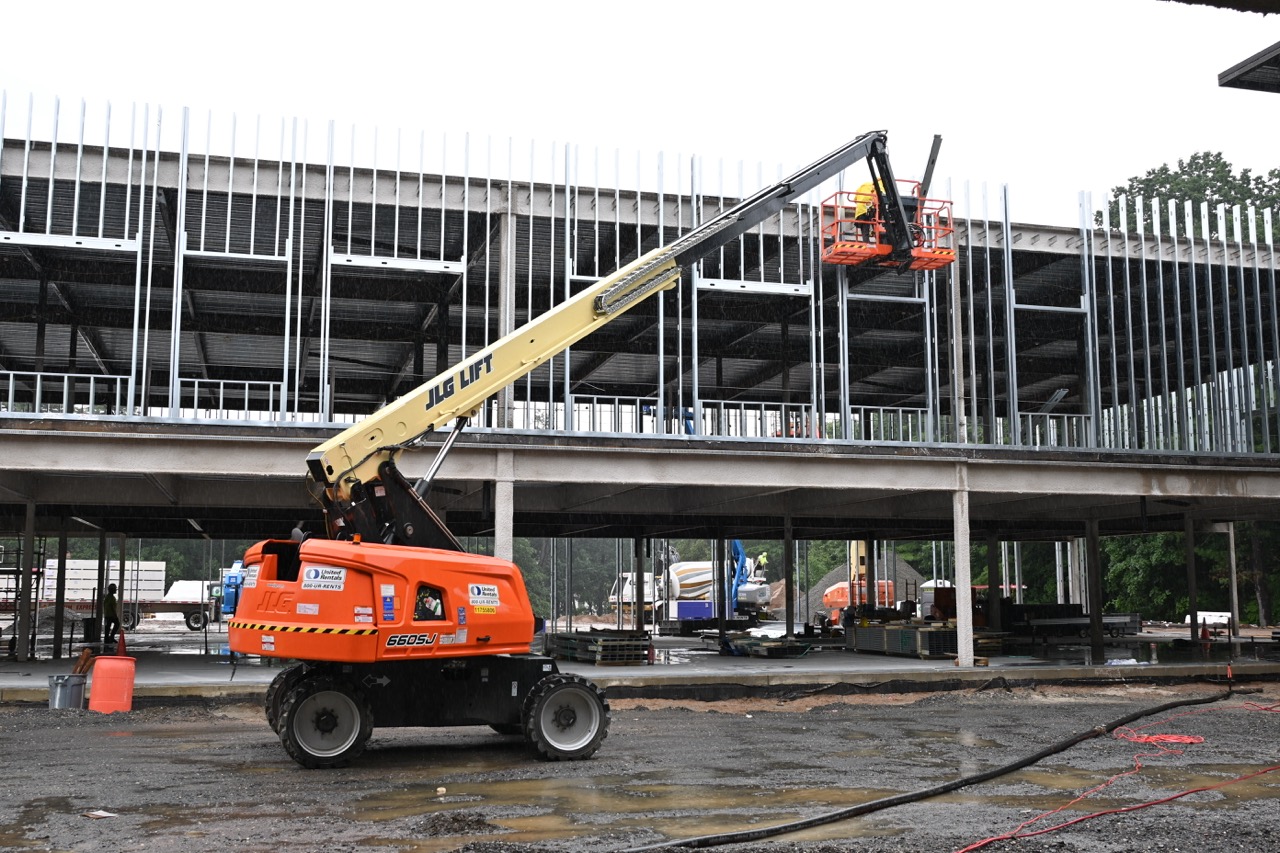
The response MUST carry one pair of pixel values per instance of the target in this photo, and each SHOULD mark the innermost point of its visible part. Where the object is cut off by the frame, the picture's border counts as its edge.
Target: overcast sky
(1049, 98)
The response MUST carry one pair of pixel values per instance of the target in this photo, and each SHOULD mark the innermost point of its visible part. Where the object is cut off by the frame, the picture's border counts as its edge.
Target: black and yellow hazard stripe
(302, 629)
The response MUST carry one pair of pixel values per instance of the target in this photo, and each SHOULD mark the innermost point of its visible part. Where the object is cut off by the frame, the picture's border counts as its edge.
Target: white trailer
(143, 592)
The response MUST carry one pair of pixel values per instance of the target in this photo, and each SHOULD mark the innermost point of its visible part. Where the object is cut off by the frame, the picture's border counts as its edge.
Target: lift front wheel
(566, 717)
(324, 722)
(281, 686)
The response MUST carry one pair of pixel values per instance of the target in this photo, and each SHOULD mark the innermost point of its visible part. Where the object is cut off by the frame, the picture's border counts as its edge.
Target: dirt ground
(214, 777)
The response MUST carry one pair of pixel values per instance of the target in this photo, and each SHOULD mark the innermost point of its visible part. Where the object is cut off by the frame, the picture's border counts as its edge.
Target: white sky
(1050, 98)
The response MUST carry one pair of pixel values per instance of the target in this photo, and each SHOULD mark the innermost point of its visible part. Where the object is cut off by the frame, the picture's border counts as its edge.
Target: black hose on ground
(916, 796)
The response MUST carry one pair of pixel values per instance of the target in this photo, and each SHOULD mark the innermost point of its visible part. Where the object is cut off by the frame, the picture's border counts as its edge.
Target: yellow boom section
(354, 455)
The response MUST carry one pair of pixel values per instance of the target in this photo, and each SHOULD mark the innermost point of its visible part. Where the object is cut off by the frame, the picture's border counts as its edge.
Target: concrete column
(504, 519)
(22, 631)
(964, 573)
(1093, 565)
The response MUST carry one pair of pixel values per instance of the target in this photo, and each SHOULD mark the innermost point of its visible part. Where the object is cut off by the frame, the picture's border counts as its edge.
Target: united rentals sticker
(484, 595)
(327, 578)
(251, 576)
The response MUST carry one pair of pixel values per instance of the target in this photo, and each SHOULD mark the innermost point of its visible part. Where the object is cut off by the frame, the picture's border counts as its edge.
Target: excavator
(392, 622)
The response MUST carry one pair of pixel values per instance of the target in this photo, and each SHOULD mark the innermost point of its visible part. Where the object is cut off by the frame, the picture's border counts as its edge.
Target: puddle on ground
(951, 738)
(574, 806)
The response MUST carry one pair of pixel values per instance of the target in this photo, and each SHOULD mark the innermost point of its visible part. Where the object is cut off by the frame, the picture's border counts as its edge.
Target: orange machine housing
(358, 602)
(836, 597)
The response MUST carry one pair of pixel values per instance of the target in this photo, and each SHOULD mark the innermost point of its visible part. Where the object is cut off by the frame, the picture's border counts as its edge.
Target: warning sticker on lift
(484, 595)
(328, 578)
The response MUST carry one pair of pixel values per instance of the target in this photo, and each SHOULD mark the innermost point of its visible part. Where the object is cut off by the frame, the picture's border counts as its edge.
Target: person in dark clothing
(110, 615)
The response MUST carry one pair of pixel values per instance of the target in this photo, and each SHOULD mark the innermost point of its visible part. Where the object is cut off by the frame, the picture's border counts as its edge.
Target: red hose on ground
(1129, 734)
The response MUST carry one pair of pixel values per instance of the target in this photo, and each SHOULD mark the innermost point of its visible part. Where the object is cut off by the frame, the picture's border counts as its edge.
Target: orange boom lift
(392, 622)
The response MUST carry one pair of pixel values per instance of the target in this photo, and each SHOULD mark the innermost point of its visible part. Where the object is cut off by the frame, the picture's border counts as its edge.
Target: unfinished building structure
(161, 273)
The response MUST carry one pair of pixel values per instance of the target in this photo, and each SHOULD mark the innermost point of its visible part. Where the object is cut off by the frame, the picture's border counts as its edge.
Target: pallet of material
(600, 647)
(759, 648)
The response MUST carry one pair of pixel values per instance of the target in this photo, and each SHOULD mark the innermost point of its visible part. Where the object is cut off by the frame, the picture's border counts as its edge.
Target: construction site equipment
(389, 610)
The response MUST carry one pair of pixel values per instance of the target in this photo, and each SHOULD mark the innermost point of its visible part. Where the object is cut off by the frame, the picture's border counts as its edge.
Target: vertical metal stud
(1165, 410)
(231, 176)
(75, 204)
(253, 193)
(53, 159)
(1259, 368)
(106, 156)
(26, 167)
(204, 192)
(1011, 323)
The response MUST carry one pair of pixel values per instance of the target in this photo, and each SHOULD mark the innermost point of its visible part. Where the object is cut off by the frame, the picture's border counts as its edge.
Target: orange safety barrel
(853, 230)
(112, 687)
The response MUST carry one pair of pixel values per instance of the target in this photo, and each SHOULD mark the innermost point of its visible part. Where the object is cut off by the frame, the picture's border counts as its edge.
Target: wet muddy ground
(214, 777)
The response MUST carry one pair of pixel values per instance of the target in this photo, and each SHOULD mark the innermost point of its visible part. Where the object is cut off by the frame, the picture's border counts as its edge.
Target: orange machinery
(406, 636)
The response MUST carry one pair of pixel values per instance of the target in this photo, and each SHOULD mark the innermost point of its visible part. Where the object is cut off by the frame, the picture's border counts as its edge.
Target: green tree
(1205, 176)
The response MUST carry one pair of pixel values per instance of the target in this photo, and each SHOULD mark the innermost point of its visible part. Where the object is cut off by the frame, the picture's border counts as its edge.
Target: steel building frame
(162, 268)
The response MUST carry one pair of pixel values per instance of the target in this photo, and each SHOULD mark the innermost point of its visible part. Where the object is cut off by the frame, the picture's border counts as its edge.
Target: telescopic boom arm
(354, 473)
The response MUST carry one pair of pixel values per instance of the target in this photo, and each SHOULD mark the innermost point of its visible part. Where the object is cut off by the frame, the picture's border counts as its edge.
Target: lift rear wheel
(281, 686)
(566, 717)
(324, 722)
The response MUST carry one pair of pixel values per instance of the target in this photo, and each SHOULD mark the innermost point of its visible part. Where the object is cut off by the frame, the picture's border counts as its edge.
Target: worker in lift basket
(110, 616)
(866, 202)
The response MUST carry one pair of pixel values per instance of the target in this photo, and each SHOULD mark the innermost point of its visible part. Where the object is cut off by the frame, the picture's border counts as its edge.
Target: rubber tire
(566, 718)
(196, 620)
(280, 687)
(129, 618)
(315, 709)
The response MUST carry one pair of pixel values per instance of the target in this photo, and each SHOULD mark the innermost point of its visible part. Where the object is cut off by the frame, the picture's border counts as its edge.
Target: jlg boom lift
(394, 624)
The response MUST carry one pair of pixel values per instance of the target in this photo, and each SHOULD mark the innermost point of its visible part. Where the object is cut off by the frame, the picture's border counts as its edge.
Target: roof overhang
(1260, 72)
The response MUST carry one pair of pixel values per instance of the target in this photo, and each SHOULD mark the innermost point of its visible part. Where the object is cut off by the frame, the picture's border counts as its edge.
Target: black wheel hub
(565, 717)
(326, 721)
